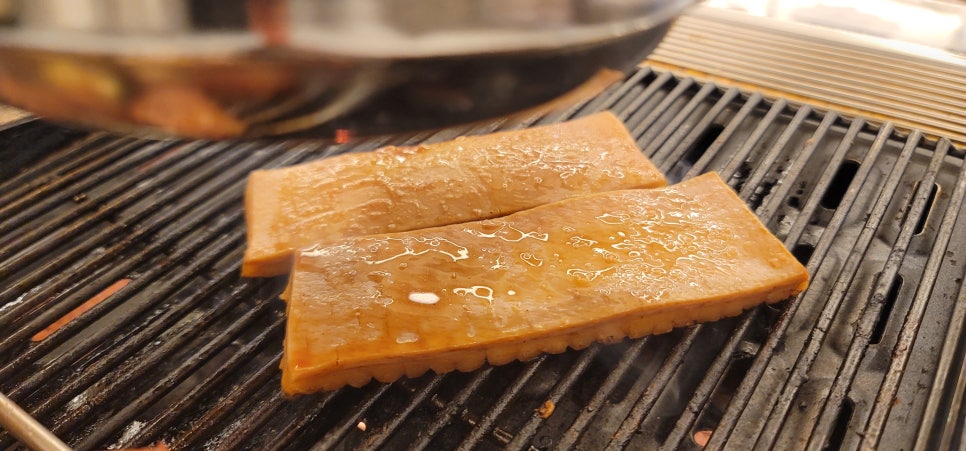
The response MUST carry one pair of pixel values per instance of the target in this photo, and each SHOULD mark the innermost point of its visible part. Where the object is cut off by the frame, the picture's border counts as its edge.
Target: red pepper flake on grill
(87, 305)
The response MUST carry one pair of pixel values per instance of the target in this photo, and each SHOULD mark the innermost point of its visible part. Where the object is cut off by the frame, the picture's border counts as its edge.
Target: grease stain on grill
(761, 192)
(741, 175)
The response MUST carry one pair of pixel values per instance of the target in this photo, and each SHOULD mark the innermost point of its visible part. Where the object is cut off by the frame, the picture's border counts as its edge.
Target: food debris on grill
(396, 189)
(599, 267)
(546, 409)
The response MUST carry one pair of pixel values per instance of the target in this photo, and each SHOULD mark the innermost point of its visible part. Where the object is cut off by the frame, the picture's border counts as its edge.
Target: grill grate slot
(888, 303)
(187, 352)
(840, 183)
(798, 372)
(875, 303)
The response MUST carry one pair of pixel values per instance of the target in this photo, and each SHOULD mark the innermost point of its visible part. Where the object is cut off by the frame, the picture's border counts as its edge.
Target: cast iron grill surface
(184, 351)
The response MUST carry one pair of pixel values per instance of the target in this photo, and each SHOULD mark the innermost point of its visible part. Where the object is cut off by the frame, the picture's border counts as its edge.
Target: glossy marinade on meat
(396, 189)
(599, 267)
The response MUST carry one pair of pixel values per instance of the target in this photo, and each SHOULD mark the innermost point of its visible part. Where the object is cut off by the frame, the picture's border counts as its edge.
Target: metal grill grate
(184, 351)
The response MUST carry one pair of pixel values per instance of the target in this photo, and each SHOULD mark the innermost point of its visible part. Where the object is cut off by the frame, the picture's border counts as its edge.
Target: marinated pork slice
(395, 189)
(597, 267)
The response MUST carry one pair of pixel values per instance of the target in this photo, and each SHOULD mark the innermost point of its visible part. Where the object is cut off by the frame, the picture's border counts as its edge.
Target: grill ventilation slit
(930, 203)
(703, 143)
(887, 305)
(803, 252)
(841, 425)
(840, 184)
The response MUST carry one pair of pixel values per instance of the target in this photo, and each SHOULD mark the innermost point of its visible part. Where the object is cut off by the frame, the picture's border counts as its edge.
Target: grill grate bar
(626, 362)
(113, 360)
(485, 423)
(187, 224)
(637, 95)
(777, 334)
(66, 160)
(105, 236)
(738, 158)
(870, 315)
(237, 394)
(57, 338)
(525, 434)
(649, 142)
(85, 345)
(171, 379)
(716, 370)
(646, 118)
(648, 398)
(757, 175)
(32, 205)
(268, 405)
(44, 237)
(447, 134)
(702, 164)
(703, 393)
(956, 407)
(153, 427)
(574, 110)
(41, 241)
(607, 100)
(444, 416)
(231, 270)
(376, 439)
(910, 325)
(309, 413)
(683, 140)
(237, 433)
(839, 291)
(774, 203)
(334, 435)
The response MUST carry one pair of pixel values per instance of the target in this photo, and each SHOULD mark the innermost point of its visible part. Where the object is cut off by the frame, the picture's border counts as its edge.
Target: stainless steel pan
(242, 68)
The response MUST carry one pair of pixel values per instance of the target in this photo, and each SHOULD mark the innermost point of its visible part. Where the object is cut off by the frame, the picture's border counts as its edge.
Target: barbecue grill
(175, 347)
